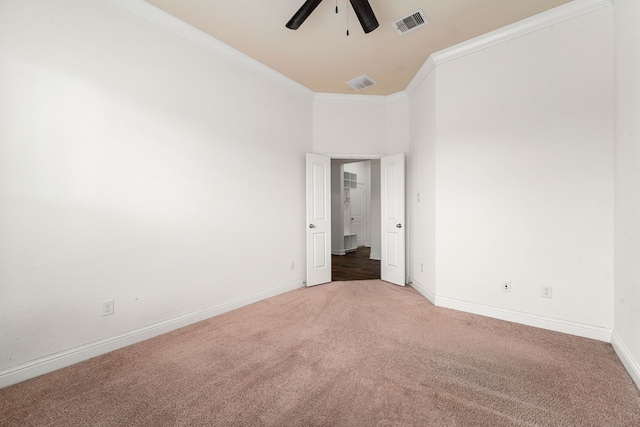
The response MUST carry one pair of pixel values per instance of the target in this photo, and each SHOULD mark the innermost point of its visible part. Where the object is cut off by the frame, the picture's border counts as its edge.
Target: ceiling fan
(362, 8)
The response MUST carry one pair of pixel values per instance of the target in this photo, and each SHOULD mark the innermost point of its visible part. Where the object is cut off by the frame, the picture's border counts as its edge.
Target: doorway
(355, 219)
(320, 207)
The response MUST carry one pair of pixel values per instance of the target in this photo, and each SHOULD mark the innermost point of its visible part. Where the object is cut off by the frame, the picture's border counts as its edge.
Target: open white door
(357, 206)
(392, 265)
(318, 219)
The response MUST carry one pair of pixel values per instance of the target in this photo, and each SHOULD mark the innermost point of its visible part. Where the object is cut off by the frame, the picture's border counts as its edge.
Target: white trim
(351, 98)
(354, 156)
(542, 20)
(632, 366)
(556, 15)
(346, 98)
(397, 97)
(169, 22)
(43, 365)
(422, 290)
(339, 252)
(549, 323)
(427, 68)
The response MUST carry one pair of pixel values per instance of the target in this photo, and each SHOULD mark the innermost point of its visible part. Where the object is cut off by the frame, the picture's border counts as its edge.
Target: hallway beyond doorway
(354, 265)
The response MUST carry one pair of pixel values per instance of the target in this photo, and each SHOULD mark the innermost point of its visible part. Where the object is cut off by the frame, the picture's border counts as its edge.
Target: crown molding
(169, 22)
(556, 15)
(542, 20)
(351, 98)
(397, 97)
(362, 99)
(422, 74)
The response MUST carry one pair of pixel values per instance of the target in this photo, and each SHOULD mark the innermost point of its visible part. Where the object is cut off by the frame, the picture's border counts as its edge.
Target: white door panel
(358, 213)
(319, 249)
(392, 266)
(318, 219)
(392, 250)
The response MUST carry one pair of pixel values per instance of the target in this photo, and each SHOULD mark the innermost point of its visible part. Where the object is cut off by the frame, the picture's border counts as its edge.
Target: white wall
(524, 177)
(132, 165)
(627, 185)
(398, 126)
(360, 124)
(349, 125)
(422, 180)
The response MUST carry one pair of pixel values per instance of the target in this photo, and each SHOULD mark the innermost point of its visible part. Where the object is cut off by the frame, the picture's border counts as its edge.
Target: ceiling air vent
(362, 82)
(410, 22)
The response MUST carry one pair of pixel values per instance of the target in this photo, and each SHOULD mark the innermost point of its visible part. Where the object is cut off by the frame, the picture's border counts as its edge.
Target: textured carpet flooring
(343, 354)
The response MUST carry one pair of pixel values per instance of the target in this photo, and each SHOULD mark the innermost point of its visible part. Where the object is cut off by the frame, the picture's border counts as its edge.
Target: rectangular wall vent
(362, 82)
(410, 22)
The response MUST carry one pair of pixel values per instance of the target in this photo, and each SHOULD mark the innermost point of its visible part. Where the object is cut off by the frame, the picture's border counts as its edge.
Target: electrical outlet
(546, 291)
(292, 266)
(506, 286)
(107, 308)
(418, 197)
(421, 268)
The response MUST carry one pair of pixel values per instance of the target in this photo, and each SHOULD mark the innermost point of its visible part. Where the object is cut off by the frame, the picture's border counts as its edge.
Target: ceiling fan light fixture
(362, 82)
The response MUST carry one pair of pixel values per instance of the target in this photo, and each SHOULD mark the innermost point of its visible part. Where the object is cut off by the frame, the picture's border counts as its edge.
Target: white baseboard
(338, 252)
(53, 362)
(549, 323)
(632, 366)
(557, 325)
(588, 331)
(423, 290)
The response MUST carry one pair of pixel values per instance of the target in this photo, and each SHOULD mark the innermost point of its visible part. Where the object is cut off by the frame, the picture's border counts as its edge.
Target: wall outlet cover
(506, 286)
(107, 308)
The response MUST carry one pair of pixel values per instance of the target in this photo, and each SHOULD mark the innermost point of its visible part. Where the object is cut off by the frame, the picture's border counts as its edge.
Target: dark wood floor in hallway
(354, 266)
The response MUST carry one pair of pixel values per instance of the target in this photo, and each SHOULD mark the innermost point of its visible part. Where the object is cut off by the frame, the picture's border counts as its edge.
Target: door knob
(312, 226)
(399, 225)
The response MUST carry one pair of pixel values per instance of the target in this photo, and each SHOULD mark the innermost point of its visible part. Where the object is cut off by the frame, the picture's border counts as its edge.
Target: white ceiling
(320, 56)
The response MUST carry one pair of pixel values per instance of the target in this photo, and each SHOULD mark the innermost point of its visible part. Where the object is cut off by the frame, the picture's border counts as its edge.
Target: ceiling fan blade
(302, 14)
(365, 15)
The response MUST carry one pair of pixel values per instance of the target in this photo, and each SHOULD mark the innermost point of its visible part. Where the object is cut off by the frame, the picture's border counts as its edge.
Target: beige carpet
(343, 354)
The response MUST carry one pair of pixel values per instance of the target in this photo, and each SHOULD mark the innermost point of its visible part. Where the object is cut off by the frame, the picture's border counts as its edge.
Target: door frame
(360, 157)
(354, 158)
